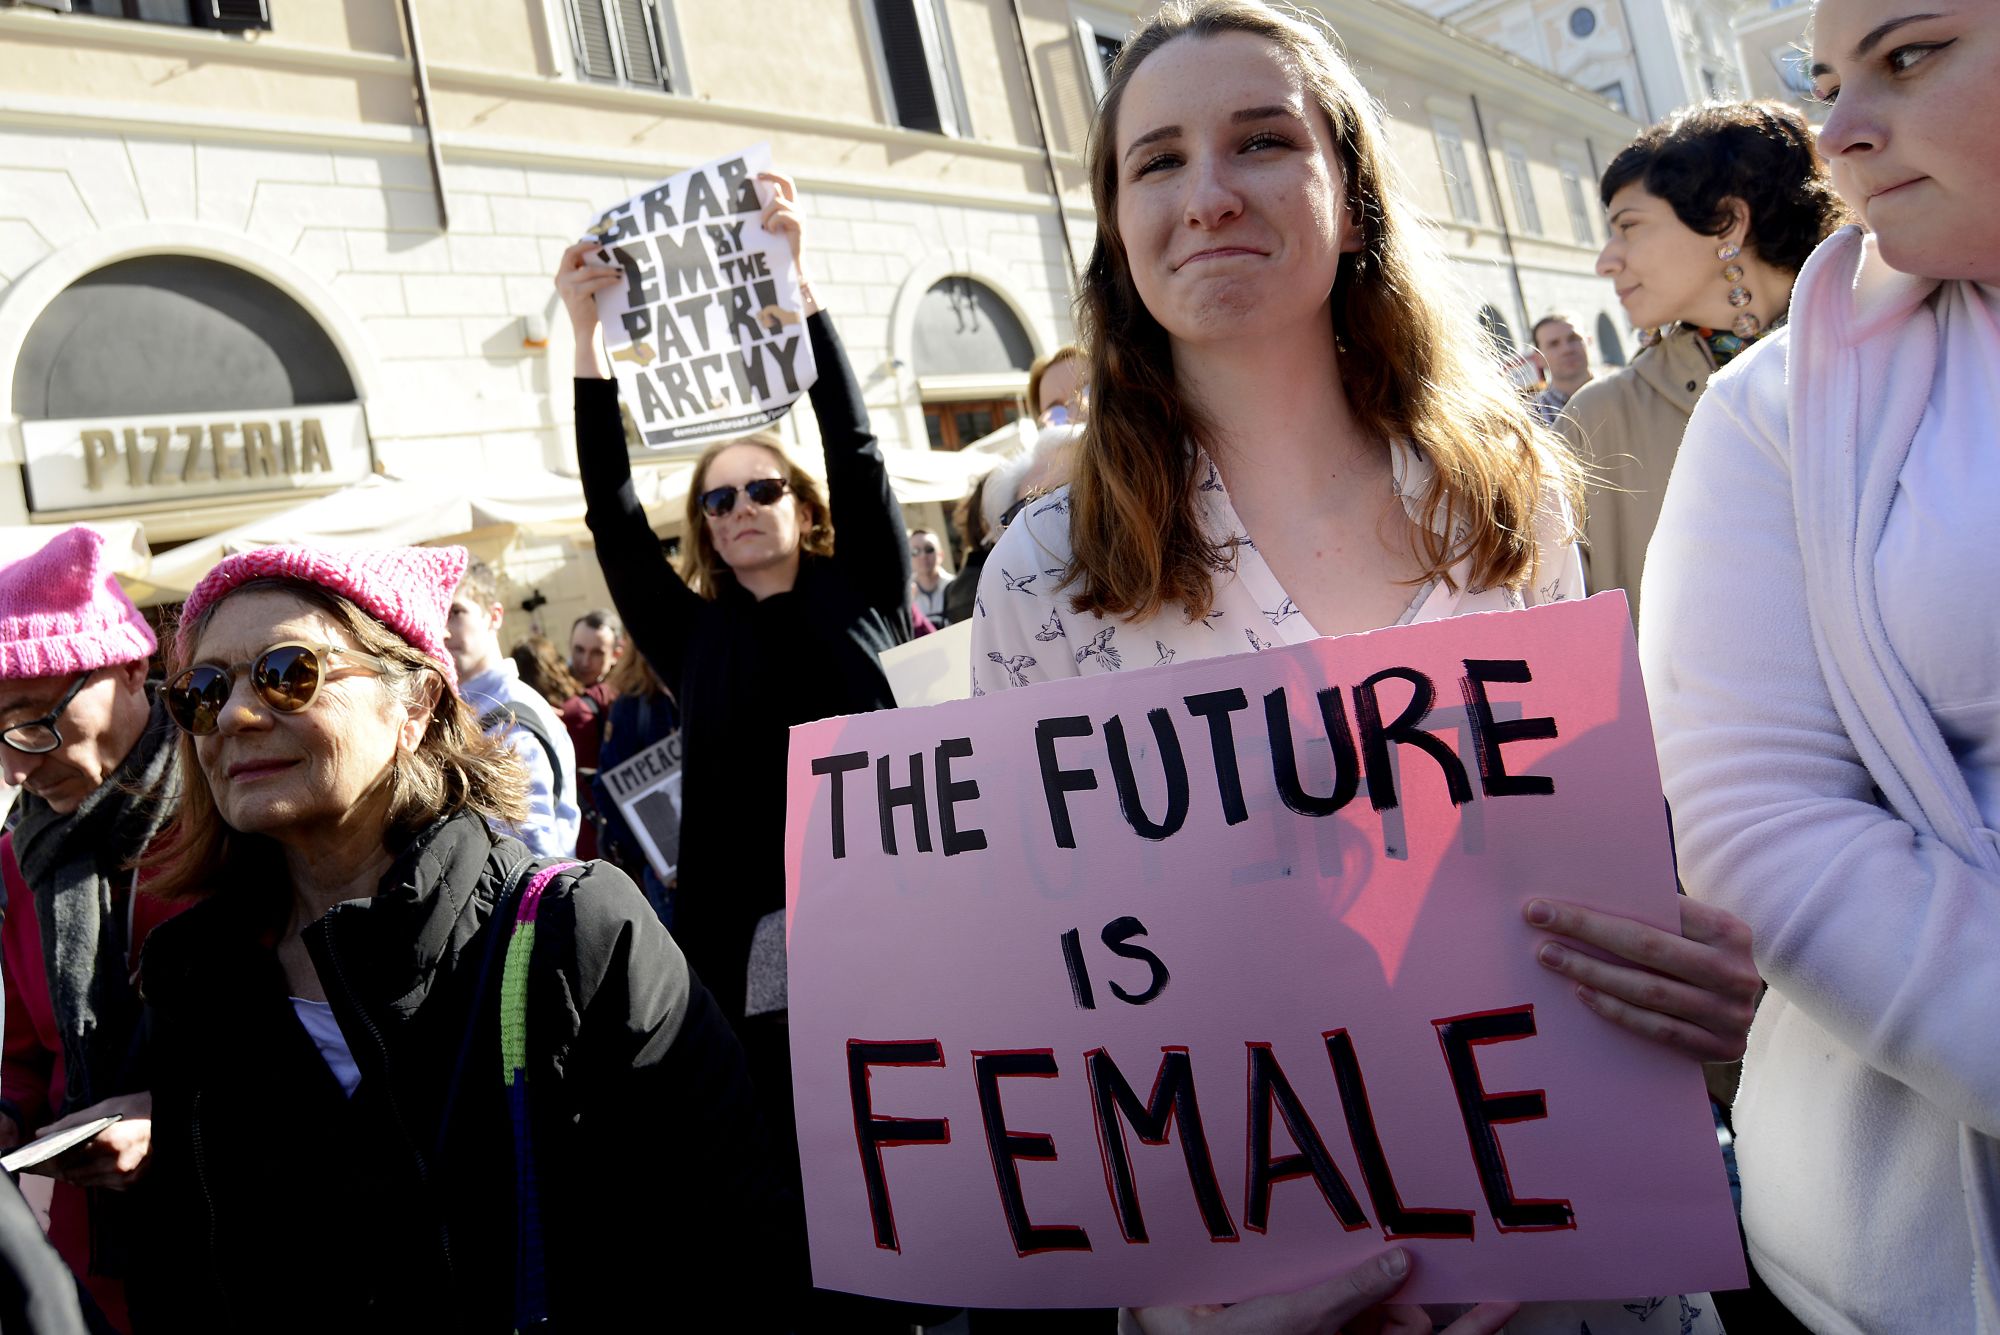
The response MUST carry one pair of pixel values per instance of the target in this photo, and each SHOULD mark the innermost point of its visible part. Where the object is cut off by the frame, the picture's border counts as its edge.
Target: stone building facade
(230, 218)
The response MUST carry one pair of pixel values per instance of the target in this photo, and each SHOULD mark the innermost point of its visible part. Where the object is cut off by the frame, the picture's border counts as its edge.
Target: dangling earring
(1747, 325)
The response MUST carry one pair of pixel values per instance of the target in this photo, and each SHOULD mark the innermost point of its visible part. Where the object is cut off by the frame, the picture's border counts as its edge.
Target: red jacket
(31, 1059)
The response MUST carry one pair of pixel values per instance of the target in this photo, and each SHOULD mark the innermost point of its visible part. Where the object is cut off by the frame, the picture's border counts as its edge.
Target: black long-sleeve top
(745, 671)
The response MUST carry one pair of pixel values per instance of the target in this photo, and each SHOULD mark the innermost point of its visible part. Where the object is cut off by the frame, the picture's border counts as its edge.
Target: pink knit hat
(62, 612)
(407, 589)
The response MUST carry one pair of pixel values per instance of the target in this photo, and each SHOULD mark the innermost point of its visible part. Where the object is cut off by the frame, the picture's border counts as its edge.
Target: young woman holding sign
(1825, 675)
(1292, 434)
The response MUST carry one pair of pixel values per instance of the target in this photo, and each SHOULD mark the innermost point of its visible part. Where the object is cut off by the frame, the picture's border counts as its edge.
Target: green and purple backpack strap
(531, 1302)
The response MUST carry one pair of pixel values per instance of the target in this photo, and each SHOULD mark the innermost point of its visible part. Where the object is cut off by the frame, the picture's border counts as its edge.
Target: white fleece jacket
(1814, 796)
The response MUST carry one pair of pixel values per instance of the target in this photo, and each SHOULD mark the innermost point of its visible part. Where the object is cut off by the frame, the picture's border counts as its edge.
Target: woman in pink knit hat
(384, 1021)
(94, 758)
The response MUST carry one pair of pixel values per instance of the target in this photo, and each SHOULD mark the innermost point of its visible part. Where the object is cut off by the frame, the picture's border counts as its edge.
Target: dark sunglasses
(764, 491)
(287, 677)
(38, 737)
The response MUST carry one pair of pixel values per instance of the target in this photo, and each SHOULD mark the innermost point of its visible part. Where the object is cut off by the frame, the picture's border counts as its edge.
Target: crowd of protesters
(321, 893)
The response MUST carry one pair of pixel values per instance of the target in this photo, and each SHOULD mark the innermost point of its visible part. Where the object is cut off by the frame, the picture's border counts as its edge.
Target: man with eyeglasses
(94, 756)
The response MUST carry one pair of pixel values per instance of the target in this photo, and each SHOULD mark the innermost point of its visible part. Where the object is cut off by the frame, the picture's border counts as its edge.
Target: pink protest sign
(1196, 983)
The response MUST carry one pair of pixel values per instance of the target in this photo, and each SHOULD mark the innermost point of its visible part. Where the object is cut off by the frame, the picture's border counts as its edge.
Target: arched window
(972, 355)
(174, 334)
(1610, 348)
(1498, 334)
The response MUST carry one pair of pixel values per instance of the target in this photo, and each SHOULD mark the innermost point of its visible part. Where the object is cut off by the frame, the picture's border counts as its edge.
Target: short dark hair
(1553, 317)
(600, 618)
(1762, 153)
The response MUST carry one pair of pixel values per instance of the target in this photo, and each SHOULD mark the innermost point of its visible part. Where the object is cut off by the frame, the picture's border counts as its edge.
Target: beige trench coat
(1627, 427)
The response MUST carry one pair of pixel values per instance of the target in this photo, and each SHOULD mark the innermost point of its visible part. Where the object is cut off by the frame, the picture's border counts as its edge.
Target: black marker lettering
(1055, 779)
(888, 797)
(1009, 1148)
(1407, 729)
(950, 794)
(1216, 707)
(1482, 1112)
(1398, 1221)
(1117, 935)
(1173, 1101)
(1172, 764)
(1269, 1088)
(874, 1134)
(1284, 758)
(838, 766)
(1489, 734)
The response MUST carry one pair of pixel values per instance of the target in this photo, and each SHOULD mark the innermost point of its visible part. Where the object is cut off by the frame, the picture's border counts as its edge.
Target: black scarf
(74, 864)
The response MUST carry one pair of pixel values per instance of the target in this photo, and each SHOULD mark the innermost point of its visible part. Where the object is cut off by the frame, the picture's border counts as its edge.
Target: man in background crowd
(596, 643)
(508, 707)
(928, 576)
(1568, 358)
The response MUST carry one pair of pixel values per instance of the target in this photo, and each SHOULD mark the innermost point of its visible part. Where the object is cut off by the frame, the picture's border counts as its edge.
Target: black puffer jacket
(281, 1204)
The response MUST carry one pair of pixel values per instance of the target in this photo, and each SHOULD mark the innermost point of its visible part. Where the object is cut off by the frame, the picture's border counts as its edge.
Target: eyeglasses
(287, 677)
(926, 550)
(764, 490)
(38, 737)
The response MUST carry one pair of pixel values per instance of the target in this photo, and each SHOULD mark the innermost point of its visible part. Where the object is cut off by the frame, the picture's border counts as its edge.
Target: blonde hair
(701, 565)
(1410, 364)
(454, 768)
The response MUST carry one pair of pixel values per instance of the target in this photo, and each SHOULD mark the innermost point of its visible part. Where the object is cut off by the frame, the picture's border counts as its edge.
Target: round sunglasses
(764, 491)
(287, 677)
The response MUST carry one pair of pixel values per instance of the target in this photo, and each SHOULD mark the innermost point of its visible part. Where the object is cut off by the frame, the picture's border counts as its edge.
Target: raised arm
(658, 609)
(870, 545)
(1883, 936)
(869, 542)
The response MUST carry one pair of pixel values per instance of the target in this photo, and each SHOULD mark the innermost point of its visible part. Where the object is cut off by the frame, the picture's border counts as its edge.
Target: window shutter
(908, 68)
(638, 41)
(591, 40)
(234, 15)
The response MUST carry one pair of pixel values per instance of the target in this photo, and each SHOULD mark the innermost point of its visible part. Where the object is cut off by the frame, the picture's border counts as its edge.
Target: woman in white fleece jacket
(1823, 657)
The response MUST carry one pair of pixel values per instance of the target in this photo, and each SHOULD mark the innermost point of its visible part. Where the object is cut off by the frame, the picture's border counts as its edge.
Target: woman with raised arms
(1292, 434)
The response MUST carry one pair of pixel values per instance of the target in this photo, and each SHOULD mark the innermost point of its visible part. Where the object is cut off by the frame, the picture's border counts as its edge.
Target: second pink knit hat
(407, 589)
(62, 612)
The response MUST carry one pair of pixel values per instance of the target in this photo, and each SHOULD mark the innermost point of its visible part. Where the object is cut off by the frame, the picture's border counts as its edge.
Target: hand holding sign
(1695, 992)
(1352, 1301)
(704, 323)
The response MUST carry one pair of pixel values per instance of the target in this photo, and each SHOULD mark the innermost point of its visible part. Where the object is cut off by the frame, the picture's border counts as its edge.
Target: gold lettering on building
(218, 451)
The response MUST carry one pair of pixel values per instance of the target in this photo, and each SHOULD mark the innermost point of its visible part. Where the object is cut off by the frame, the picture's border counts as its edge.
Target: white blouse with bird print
(1023, 631)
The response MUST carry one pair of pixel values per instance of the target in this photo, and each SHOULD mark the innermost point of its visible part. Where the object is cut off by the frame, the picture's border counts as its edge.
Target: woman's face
(1911, 138)
(294, 776)
(924, 555)
(751, 536)
(1664, 270)
(1059, 390)
(1231, 203)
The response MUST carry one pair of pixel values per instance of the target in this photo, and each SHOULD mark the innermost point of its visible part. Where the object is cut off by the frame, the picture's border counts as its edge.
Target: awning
(484, 514)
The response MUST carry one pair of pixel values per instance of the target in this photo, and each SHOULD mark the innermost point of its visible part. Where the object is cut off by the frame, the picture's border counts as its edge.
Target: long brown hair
(1410, 364)
(701, 566)
(455, 767)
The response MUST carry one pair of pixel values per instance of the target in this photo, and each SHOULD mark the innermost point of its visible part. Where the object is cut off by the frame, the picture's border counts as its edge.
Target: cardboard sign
(1197, 983)
(647, 789)
(707, 334)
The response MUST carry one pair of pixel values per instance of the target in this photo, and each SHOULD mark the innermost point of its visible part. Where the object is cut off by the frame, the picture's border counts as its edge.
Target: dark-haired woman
(394, 1053)
(1711, 213)
(1291, 435)
(770, 623)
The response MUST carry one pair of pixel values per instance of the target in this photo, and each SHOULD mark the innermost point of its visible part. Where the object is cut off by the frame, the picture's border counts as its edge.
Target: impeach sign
(707, 333)
(1196, 983)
